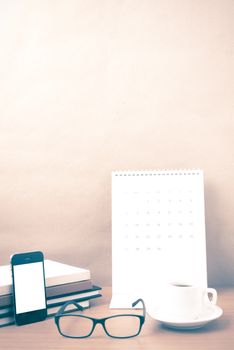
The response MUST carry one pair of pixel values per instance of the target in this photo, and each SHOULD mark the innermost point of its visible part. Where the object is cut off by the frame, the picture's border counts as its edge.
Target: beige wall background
(88, 87)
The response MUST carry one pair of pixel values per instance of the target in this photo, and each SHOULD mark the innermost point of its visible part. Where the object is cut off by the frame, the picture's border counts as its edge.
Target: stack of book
(63, 283)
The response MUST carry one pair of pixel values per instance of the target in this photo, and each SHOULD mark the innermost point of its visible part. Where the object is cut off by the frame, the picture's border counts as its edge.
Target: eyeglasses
(79, 326)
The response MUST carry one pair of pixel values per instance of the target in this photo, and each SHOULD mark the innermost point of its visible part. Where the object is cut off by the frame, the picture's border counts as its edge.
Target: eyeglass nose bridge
(100, 321)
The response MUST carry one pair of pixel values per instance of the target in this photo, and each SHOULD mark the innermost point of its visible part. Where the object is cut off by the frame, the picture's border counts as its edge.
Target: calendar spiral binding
(160, 172)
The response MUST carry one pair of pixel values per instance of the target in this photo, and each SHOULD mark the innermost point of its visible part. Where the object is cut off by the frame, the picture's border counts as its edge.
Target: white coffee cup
(187, 302)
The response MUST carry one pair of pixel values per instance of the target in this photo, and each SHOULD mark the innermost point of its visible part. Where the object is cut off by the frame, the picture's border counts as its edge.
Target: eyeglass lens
(123, 326)
(75, 326)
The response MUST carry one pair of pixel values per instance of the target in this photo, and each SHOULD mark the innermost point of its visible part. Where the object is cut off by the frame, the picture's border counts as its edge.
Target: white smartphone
(29, 287)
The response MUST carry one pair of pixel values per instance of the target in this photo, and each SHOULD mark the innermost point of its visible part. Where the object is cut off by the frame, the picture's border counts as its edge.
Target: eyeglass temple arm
(70, 302)
(138, 301)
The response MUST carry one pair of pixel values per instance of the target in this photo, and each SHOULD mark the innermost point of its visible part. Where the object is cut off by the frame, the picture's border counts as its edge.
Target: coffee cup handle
(212, 291)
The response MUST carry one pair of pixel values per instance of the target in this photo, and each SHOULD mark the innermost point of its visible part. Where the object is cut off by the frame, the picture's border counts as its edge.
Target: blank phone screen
(29, 287)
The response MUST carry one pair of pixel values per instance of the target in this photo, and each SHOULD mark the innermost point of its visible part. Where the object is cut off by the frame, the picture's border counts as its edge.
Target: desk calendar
(158, 232)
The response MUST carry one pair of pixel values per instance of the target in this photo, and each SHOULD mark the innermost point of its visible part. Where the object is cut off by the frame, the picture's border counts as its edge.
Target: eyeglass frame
(60, 313)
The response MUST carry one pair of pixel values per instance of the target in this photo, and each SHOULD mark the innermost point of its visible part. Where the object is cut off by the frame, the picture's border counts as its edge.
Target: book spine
(68, 288)
(78, 300)
(52, 281)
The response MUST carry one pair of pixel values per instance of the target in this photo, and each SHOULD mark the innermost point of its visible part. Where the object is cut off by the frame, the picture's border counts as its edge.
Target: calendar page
(158, 232)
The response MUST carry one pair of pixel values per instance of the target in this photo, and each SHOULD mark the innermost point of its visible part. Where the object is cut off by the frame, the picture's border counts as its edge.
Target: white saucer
(210, 314)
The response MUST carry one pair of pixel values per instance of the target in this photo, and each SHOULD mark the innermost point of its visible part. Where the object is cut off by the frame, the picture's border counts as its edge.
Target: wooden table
(218, 335)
